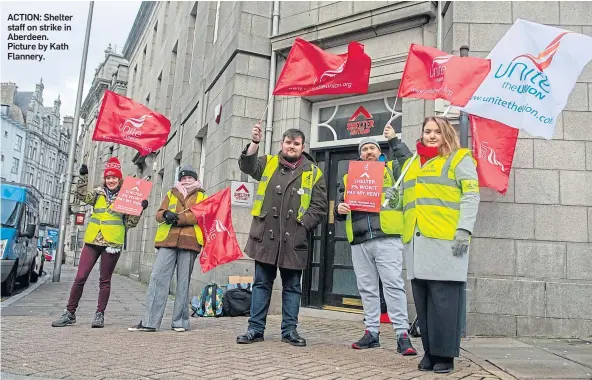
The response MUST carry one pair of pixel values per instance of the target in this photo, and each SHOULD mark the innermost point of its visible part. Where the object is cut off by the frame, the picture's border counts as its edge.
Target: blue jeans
(291, 293)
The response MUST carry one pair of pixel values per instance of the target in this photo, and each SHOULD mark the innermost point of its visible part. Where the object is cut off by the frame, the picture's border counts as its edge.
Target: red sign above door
(362, 127)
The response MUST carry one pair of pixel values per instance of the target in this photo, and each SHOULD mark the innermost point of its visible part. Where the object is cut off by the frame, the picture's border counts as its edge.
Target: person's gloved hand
(83, 169)
(171, 217)
(391, 193)
(144, 204)
(395, 201)
(461, 243)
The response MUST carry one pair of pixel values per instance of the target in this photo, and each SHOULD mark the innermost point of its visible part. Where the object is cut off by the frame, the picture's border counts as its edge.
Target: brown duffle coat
(182, 235)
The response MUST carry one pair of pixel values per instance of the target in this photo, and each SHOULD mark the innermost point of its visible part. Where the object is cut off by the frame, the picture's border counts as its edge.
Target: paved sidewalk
(32, 348)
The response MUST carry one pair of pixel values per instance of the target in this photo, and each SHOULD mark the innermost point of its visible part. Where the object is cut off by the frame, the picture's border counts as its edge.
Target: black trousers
(439, 315)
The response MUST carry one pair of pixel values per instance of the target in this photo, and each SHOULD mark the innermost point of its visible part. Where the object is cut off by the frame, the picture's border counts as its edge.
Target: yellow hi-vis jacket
(107, 221)
(308, 179)
(165, 228)
(431, 196)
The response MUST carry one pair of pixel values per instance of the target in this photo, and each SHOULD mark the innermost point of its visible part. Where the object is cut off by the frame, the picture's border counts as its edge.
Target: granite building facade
(45, 150)
(530, 264)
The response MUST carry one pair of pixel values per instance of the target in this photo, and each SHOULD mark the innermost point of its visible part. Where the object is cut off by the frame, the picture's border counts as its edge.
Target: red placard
(364, 185)
(79, 219)
(130, 197)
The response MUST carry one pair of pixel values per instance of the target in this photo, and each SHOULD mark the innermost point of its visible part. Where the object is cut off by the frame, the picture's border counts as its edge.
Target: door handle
(331, 215)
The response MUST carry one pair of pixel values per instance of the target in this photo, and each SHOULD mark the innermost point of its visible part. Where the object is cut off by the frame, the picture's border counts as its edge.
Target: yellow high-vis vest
(431, 196)
(107, 221)
(391, 220)
(164, 229)
(307, 181)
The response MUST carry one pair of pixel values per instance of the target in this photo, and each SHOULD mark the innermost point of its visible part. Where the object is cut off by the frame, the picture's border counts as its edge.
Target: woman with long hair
(440, 192)
(179, 240)
(104, 238)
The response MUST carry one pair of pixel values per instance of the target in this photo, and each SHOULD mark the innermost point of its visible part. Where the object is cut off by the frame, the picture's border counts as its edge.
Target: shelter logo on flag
(534, 68)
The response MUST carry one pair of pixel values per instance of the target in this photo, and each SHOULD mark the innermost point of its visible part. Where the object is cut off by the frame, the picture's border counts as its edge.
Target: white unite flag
(534, 68)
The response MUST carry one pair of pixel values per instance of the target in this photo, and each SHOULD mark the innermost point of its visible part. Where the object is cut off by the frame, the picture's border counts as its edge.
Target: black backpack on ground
(237, 302)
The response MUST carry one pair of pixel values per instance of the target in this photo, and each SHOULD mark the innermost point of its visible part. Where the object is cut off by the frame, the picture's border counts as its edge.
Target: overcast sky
(111, 23)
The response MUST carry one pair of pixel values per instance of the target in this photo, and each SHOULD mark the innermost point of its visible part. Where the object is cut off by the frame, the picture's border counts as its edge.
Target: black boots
(426, 363)
(444, 365)
(249, 337)
(294, 339)
(438, 364)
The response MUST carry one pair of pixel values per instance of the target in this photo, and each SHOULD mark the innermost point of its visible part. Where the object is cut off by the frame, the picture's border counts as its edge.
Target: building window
(5, 133)
(19, 143)
(15, 166)
(2, 158)
(348, 121)
(191, 36)
(202, 160)
(217, 21)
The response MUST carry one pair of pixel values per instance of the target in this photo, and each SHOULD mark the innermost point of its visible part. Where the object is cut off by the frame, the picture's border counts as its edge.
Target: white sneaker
(179, 329)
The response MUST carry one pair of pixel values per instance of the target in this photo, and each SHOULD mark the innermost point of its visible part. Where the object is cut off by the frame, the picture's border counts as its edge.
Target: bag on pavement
(237, 301)
(209, 302)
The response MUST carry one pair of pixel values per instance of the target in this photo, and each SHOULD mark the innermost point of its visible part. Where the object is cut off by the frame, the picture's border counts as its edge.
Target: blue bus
(19, 255)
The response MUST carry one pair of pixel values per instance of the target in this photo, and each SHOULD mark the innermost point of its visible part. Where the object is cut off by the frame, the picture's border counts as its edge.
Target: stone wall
(531, 260)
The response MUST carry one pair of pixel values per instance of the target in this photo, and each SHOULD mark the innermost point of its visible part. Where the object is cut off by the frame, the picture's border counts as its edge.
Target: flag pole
(464, 142)
(64, 214)
(464, 117)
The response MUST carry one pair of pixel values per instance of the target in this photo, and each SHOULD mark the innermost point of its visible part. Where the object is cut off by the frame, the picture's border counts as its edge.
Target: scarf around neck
(426, 153)
(111, 194)
(187, 188)
(291, 165)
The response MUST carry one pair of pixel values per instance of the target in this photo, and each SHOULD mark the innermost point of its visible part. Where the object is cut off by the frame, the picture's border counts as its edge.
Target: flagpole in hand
(394, 114)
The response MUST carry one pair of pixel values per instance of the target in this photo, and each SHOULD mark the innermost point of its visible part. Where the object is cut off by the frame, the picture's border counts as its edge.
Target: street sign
(79, 219)
(242, 193)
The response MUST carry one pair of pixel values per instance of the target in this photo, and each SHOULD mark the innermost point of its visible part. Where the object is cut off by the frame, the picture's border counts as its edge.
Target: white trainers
(179, 329)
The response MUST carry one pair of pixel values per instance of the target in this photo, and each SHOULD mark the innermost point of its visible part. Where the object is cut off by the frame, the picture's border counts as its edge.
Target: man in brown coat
(291, 201)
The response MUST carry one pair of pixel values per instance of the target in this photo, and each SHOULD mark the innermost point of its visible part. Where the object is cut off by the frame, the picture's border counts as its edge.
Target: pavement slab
(32, 349)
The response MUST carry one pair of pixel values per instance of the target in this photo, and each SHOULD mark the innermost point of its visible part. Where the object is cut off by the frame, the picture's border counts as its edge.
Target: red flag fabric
(493, 147)
(311, 71)
(432, 74)
(123, 121)
(215, 219)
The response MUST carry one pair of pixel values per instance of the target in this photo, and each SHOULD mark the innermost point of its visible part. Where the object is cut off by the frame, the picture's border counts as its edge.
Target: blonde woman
(440, 202)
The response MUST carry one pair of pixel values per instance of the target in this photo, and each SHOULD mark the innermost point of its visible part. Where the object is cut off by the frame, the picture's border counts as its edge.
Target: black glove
(83, 170)
(171, 217)
(144, 204)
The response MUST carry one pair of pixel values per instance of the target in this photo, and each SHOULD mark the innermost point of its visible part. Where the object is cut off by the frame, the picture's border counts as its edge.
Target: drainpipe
(440, 19)
(272, 69)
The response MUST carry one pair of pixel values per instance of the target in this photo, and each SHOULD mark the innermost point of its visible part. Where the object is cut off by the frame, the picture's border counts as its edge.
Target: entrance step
(343, 314)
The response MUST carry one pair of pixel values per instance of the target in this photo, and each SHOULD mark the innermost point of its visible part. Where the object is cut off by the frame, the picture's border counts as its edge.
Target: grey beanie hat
(187, 170)
(367, 140)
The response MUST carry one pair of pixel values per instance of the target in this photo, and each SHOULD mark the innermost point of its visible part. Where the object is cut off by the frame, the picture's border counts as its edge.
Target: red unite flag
(432, 74)
(123, 121)
(215, 219)
(311, 71)
(494, 144)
